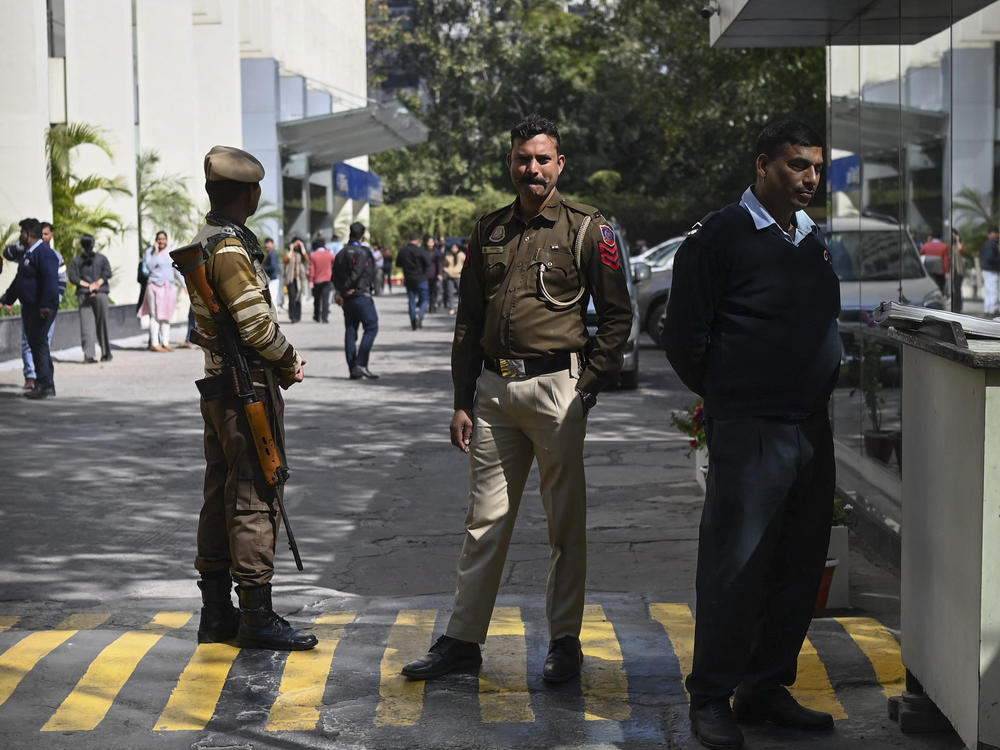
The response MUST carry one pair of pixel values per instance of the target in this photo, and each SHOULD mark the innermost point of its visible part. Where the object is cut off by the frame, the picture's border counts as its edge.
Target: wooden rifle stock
(190, 261)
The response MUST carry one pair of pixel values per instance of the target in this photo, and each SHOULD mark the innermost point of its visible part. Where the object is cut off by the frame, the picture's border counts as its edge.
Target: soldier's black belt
(528, 368)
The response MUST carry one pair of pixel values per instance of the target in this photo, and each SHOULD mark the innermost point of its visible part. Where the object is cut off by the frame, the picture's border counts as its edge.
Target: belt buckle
(511, 368)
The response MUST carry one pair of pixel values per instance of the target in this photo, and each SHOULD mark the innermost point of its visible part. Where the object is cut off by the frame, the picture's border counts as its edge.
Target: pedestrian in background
(272, 267)
(990, 253)
(412, 260)
(523, 389)
(320, 262)
(90, 272)
(239, 519)
(36, 286)
(751, 326)
(435, 272)
(936, 256)
(15, 253)
(161, 294)
(354, 283)
(296, 277)
(387, 259)
(454, 260)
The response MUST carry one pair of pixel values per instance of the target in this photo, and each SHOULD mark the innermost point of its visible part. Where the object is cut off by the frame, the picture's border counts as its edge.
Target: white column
(100, 91)
(24, 116)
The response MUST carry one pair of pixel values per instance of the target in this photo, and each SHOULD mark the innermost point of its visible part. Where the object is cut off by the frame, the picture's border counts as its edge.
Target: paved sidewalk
(102, 490)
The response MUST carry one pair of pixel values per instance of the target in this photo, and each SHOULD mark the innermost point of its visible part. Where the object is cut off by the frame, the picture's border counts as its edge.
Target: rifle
(190, 261)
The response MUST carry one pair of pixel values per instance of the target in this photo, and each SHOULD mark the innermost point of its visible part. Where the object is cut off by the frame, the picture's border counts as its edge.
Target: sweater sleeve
(695, 290)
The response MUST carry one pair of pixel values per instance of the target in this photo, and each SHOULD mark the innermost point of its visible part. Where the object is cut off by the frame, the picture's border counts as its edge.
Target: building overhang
(328, 139)
(873, 126)
(818, 23)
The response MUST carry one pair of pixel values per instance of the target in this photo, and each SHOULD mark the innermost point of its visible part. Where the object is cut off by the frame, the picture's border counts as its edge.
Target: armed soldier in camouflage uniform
(239, 519)
(525, 378)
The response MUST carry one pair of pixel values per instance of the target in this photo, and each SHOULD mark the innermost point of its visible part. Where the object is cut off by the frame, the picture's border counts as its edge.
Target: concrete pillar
(24, 116)
(261, 110)
(100, 91)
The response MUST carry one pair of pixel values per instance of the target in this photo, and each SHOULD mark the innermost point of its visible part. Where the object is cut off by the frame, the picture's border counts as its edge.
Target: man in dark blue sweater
(751, 326)
(37, 287)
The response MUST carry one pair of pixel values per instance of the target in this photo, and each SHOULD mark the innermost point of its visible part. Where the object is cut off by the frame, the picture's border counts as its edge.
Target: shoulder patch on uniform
(498, 233)
(610, 255)
(608, 235)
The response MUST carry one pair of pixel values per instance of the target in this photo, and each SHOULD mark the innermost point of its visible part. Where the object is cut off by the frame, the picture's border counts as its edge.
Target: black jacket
(354, 271)
(413, 262)
(752, 319)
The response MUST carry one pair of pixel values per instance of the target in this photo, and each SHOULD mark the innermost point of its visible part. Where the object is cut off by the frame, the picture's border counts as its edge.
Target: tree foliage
(163, 201)
(71, 215)
(634, 86)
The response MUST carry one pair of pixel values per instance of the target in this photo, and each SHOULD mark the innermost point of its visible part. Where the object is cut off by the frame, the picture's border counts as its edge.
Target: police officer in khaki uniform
(525, 379)
(239, 519)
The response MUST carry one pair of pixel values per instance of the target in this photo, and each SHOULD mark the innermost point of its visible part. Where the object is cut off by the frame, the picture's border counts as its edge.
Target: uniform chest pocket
(559, 281)
(495, 267)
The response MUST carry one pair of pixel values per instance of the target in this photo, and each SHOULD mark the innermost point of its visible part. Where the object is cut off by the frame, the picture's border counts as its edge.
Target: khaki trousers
(516, 422)
(239, 519)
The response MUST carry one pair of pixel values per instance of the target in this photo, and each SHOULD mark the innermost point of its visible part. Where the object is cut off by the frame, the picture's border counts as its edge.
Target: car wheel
(654, 325)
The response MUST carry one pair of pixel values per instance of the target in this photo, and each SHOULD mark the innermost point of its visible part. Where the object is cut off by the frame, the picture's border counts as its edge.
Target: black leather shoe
(357, 373)
(107, 357)
(564, 659)
(446, 655)
(365, 372)
(37, 393)
(714, 726)
(260, 627)
(89, 361)
(776, 704)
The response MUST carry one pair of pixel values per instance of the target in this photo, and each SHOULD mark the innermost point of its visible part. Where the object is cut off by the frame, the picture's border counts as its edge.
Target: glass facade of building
(914, 136)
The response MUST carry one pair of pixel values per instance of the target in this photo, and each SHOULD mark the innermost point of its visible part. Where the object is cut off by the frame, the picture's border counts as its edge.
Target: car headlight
(934, 300)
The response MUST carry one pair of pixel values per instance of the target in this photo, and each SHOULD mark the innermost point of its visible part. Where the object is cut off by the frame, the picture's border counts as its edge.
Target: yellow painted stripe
(22, 657)
(503, 681)
(403, 700)
(193, 700)
(605, 685)
(678, 621)
(87, 705)
(882, 651)
(304, 679)
(8, 621)
(812, 687)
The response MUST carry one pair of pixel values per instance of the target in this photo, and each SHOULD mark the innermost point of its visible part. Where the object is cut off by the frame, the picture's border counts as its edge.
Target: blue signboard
(845, 173)
(356, 184)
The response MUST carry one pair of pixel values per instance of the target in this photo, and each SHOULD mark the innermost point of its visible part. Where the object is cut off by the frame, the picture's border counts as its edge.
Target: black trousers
(762, 547)
(321, 301)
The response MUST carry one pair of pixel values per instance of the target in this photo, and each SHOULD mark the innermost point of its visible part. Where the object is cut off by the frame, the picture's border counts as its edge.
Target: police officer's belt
(528, 368)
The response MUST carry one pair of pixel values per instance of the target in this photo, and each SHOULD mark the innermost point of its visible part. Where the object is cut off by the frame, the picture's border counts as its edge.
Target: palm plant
(163, 201)
(976, 206)
(70, 216)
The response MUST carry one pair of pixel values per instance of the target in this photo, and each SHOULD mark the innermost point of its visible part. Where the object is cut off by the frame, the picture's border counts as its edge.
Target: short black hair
(993, 228)
(318, 244)
(225, 192)
(532, 125)
(268, 239)
(33, 227)
(87, 242)
(414, 236)
(357, 230)
(778, 134)
(47, 225)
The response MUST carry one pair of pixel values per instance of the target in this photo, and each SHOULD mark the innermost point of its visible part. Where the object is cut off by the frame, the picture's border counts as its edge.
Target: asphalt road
(98, 604)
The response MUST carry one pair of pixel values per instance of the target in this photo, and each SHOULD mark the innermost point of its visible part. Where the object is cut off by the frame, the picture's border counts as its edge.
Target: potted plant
(691, 421)
(878, 443)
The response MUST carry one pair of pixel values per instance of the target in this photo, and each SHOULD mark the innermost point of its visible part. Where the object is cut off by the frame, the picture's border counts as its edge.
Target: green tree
(979, 214)
(634, 85)
(71, 217)
(163, 201)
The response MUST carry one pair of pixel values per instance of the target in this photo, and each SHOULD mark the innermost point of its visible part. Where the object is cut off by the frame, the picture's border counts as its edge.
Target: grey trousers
(94, 324)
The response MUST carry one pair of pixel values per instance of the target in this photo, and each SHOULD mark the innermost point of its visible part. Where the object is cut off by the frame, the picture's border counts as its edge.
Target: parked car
(629, 379)
(876, 260)
(653, 290)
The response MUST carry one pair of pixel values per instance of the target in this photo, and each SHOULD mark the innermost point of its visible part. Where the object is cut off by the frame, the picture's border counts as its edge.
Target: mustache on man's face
(533, 181)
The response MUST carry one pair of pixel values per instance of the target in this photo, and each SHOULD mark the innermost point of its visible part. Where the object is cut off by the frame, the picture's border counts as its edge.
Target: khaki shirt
(503, 313)
(240, 283)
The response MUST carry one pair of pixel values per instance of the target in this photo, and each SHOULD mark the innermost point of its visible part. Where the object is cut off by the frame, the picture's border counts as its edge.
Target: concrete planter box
(701, 466)
(838, 550)
(122, 323)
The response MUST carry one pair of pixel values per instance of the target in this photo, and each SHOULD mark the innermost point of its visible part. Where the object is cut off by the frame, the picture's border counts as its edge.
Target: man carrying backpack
(354, 282)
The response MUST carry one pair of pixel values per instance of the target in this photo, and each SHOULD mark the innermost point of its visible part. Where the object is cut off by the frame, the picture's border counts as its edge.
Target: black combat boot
(260, 627)
(219, 618)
